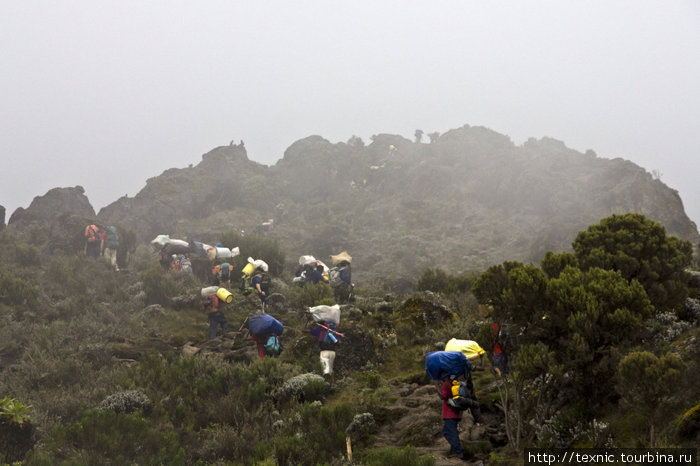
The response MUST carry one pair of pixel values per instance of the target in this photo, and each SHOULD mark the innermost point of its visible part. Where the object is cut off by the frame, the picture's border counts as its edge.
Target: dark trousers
(216, 320)
(449, 430)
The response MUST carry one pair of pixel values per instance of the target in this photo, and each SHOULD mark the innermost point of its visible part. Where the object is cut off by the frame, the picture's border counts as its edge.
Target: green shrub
(66, 275)
(369, 378)
(13, 411)
(159, 286)
(310, 295)
(16, 291)
(257, 247)
(688, 425)
(390, 456)
(126, 402)
(438, 281)
(27, 255)
(102, 436)
(314, 434)
(16, 430)
(303, 387)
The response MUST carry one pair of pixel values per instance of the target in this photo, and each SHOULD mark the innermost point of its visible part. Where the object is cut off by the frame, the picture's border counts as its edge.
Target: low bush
(314, 434)
(310, 295)
(126, 402)
(257, 247)
(104, 436)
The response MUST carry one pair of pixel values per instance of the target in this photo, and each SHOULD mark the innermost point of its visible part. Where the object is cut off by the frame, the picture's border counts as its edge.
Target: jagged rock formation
(55, 203)
(223, 179)
(466, 200)
(2, 217)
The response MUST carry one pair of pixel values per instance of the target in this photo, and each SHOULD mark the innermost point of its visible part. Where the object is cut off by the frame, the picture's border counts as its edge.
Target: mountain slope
(468, 199)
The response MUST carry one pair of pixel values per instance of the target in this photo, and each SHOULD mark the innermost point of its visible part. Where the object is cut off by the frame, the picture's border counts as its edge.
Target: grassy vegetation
(93, 372)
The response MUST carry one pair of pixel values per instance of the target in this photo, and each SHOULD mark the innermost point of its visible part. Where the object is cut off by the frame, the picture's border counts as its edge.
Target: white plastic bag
(327, 313)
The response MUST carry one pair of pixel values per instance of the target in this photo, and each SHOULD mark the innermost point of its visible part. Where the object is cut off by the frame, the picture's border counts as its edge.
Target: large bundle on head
(340, 258)
(170, 245)
(160, 241)
(199, 249)
(177, 246)
(258, 264)
(221, 252)
(326, 313)
(469, 348)
(306, 259)
(442, 364)
(265, 324)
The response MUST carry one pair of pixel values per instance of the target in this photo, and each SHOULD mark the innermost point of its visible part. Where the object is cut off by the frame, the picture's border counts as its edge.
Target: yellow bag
(471, 349)
(248, 269)
(224, 295)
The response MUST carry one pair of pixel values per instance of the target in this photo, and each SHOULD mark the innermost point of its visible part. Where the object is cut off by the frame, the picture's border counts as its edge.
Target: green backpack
(112, 239)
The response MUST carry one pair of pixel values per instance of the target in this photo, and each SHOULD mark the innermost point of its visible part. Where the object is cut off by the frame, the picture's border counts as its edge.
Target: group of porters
(452, 364)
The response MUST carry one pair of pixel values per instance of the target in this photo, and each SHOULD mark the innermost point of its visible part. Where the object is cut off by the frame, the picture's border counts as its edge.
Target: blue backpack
(441, 364)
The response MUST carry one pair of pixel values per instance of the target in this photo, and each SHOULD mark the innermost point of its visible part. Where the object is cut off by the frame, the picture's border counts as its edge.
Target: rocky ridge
(468, 199)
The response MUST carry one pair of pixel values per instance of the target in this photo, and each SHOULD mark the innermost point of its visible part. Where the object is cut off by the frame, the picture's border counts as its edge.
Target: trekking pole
(243, 324)
(329, 329)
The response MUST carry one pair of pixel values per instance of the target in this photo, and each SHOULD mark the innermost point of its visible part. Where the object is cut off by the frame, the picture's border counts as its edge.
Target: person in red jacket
(451, 418)
(499, 350)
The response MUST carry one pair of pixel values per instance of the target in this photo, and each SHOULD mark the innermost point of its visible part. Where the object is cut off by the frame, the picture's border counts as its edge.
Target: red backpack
(91, 233)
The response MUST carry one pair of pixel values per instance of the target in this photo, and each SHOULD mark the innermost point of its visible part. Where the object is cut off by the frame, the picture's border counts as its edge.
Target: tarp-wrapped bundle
(469, 348)
(258, 263)
(265, 324)
(326, 313)
(200, 249)
(177, 247)
(442, 364)
(306, 259)
(160, 241)
(209, 291)
(342, 257)
(171, 245)
(223, 253)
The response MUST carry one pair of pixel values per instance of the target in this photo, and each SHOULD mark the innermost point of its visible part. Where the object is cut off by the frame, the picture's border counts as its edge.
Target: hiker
(225, 274)
(326, 320)
(315, 275)
(451, 418)
(257, 284)
(92, 241)
(216, 275)
(472, 351)
(499, 351)
(265, 331)
(342, 291)
(165, 260)
(109, 242)
(327, 338)
(216, 316)
(443, 367)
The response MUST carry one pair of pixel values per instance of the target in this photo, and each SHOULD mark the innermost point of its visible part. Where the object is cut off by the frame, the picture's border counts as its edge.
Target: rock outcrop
(56, 203)
(468, 199)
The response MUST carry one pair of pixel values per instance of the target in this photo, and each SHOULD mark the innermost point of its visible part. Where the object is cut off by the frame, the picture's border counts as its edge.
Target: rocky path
(417, 421)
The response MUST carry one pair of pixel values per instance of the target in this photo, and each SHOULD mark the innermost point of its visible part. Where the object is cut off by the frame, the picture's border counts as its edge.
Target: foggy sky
(108, 94)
